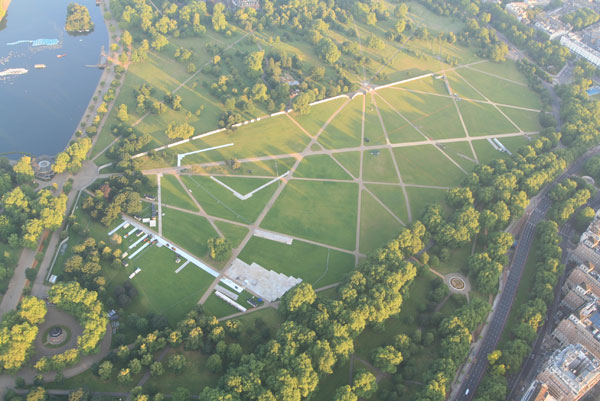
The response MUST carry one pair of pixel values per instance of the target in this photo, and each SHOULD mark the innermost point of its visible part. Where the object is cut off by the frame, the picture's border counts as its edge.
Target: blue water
(40, 110)
(594, 90)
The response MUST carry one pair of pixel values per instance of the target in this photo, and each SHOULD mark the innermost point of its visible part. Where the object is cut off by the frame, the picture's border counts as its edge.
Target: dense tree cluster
(567, 196)
(18, 331)
(85, 306)
(78, 19)
(510, 356)
(581, 18)
(72, 158)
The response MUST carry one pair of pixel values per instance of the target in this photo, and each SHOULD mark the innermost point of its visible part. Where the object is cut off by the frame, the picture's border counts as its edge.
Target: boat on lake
(40, 66)
(13, 71)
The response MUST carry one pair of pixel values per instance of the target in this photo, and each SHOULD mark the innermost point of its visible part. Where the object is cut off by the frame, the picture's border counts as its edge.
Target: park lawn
(244, 185)
(350, 160)
(393, 197)
(378, 166)
(194, 376)
(189, 231)
(453, 303)
(272, 168)
(435, 116)
(528, 121)
(502, 91)
(172, 193)
(484, 119)
(423, 17)
(216, 306)
(267, 317)
(398, 128)
(513, 143)
(91, 382)
(374, 134)
(316, 265)
(193, 99)
(507, 69)
(426, 165)
(320, 211)
(267, 137)
(523, 291)
(458, 260)
(486, 152)
(427, 84)
(377, 226)
(345, 130)
(320, 166)
(234, 233)
(220, 202)
(163, 291)
(318, 115)
(420, 198)
(461, 153)
(461, 88)
(328, 384)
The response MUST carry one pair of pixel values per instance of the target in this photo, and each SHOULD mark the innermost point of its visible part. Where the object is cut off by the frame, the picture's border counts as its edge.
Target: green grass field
(177, 227)
(461, 153)
(161, 290)
(345, 129)
(350, 160)
(314, 264)
(393, 197)
(528, 121)
(373, 131)
(377, 226)
(484, 119)
(321, 166)
(172, 193)
(314, 210)
(420, 198)
(486, 152)
(318, 115)
(426, 165)
(378, 166)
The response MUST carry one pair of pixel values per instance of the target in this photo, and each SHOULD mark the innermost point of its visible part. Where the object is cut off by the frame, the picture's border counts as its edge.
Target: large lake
(40, 110)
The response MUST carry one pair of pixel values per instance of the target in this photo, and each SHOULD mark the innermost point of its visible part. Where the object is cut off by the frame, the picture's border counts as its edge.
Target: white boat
(13, 71)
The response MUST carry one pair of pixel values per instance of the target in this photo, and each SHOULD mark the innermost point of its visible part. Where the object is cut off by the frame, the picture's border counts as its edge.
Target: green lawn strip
(434, 22)
(194, 377)
(153, 186)
(218, 307)
(528, 121)
(484, 119)
(393, 197)
(220, 202)
(456, 150)
(268, 318)
(502, 91)
(235, 234)
(272, 167)
(320, 166)
(461, 88)
(452, 304)
(328, 384)
(457, 262)
(319, 211)
(91, 382)
(172, 193)
(374, 134)
(267, 137)
(189, 231)
(244, 185)
(378, 166)
(507, 69)
(316, 265)
(523, 292)
(163, 291)
(318, 115)
(397, 128)
(486, 152)
(330, 293)
(426, 165)
(350, 160)
(513, 143)
(435, 116)
(345, 130)
(377, 226)
(420, 198)
(192, 100)
(427, 84)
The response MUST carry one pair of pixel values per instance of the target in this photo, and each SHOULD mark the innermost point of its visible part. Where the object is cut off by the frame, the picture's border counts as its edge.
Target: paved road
(503, 305)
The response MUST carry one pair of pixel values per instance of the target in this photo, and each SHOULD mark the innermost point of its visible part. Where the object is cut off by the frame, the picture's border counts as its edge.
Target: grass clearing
(422, 16)
(174, 194)
(328, 384)
(378, 166)
(216, 306)
(377, 226)
(393, 197)
(320, 166)
(461, 88)
(507, 69)
(350, 160)
(345, 130)
(316, 265)
(195, 376)
(319, 114)
(319, 211)
(513, 143)
(426, 165)
(374, 134)
(461, 153)
(486, 152)
(220, 202)
(528, 121)
(420, 198)
(235, 234)
(177, 227)
(398, 129)
(484, 119)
